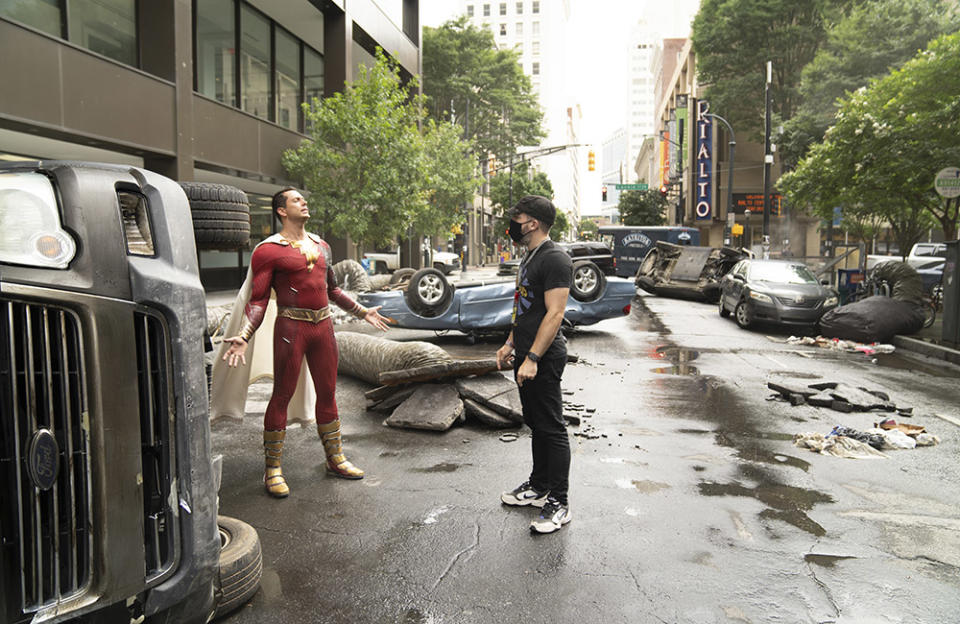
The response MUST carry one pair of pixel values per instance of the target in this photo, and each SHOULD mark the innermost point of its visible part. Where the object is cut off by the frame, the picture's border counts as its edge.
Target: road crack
(467, 551)
(823, 586)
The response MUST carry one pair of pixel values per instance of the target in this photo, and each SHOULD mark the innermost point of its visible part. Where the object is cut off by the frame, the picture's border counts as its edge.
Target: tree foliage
(875, 38)
(889, 141)
(483, 89)
(526, 181)
(642, 207)
(734, 39)
(589, 230)
(370, 171)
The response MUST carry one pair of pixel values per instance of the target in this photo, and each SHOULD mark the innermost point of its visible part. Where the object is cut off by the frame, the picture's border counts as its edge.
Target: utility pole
(767, 161)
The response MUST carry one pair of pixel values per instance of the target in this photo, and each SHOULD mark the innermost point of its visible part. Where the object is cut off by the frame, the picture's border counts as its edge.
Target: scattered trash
(889, 435)
(838, 446)
(850, 346)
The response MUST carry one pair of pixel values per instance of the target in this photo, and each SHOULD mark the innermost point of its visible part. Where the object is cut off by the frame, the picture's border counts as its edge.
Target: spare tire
(221, 215)
(429, 294)
(401, 274)
(241, 564)
(588, 281)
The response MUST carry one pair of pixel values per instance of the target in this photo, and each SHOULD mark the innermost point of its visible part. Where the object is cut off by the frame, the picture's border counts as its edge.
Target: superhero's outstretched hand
(236, 354)
(379, 321)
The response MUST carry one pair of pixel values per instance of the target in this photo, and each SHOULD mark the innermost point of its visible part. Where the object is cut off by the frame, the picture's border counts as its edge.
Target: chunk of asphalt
(434, 407)
(786, 388)
(862, 401)
(796, 399)
(843, 406)
(821, 400)
(486, 416)
(572, 420)
(876, 393)
(495, 392)
(823, 385)
(402, 394)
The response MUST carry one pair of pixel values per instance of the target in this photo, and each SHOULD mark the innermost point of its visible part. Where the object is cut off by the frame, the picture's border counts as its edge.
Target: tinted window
(216, 41)
(255, 62)
(288, 79)
(107, 27)
(41, 14)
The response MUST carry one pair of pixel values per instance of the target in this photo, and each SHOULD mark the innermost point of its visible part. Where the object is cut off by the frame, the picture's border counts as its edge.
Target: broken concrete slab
(494, 391)
(859, 399)
(786, 388)
(385, 405)
(486, 416)
(434, 407)
(821, 400)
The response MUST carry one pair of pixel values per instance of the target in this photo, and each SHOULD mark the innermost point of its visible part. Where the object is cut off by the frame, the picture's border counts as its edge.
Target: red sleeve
(334, 293)
(261, 268)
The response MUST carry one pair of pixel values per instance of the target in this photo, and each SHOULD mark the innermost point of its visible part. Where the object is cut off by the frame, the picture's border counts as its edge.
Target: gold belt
(304, 314)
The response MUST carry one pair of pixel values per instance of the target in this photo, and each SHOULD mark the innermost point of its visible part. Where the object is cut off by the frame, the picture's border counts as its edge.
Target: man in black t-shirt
(539, 353)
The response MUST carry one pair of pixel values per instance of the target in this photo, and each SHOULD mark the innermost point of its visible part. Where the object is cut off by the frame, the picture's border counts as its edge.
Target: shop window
(215, 50)
(107, 27)
(287, 79)
(254, 62)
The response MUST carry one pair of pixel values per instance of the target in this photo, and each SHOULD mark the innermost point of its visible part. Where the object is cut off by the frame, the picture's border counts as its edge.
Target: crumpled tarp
(838, 446)
(874, 319)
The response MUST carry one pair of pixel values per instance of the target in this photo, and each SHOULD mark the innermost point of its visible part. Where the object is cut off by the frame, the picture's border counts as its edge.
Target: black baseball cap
(536, 206)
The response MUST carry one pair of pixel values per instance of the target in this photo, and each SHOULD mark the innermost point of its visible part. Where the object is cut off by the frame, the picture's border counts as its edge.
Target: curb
(927, 348)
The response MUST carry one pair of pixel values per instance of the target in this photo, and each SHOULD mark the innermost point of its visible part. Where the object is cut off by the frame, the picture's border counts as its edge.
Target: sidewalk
(929, 342)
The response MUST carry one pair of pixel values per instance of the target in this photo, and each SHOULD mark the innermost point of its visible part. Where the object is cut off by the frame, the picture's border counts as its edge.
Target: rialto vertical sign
(704, 207)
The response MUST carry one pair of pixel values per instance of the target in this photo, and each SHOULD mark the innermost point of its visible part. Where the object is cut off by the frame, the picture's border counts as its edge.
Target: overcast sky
(597, 76)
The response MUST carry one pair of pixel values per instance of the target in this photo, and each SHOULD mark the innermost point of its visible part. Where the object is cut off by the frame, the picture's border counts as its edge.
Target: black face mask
(516, 231)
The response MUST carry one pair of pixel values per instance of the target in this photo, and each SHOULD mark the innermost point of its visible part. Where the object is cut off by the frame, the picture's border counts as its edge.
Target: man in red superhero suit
(297, 266)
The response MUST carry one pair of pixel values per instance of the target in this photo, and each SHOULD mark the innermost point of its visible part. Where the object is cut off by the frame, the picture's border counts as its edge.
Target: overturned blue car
(430, 301)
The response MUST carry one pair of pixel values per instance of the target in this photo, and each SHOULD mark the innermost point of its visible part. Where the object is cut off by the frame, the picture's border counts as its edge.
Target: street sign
(947, 182)
(631, 187)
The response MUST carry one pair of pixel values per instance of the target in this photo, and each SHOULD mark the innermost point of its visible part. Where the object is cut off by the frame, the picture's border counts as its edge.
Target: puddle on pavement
(682, 369)
(678, 358)
(902, 362)
(784, 502)
(444, 467)
(644, 487)
(825, 561)
(644, 319)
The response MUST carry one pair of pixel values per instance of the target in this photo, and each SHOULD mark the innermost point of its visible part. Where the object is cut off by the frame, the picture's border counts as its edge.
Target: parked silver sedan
(775, 291)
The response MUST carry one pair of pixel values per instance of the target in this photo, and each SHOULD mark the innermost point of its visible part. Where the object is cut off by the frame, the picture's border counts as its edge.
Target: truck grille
(45, 519)
(161, 543)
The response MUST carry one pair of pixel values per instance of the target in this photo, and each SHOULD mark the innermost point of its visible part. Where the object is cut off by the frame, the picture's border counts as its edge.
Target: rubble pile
(837, 396)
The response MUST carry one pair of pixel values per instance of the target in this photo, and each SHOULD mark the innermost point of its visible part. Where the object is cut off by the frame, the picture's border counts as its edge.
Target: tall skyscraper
(641, 106)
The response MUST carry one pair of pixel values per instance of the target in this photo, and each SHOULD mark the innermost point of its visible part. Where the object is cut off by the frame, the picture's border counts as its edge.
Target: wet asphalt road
(693, 505)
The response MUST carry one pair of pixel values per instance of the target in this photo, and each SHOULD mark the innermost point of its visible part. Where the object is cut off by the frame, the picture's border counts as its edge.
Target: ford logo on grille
(43, 459)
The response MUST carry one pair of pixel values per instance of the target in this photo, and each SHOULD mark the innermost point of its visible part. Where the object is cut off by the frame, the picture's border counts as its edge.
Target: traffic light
(663, 191)
(603, 192)
(591, 161)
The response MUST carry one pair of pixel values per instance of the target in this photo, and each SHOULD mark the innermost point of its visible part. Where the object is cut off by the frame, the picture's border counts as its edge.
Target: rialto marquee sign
(704, 184)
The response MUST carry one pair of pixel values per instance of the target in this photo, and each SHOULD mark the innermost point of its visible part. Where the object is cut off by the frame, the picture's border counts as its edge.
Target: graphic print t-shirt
(547, 268)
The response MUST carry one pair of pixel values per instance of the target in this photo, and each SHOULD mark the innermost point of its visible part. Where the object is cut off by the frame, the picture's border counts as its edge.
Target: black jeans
(543, 412)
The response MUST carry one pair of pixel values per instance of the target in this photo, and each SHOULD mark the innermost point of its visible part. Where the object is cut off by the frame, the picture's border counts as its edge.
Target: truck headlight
(30, 229)
(758, 296)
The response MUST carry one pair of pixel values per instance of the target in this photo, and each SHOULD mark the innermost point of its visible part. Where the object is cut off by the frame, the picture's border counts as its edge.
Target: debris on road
(854, 444)
(849, 346)
(837, 396)
(838, 446)
(432, 406)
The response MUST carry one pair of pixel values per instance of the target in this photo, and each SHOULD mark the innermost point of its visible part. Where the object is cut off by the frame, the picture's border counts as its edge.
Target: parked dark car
(774, 291)
(108, 484)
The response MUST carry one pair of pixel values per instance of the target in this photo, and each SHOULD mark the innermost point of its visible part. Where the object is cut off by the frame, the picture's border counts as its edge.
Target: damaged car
(686, 272)
(430, 301)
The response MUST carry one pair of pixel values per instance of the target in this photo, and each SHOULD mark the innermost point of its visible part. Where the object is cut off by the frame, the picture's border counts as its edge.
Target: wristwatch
(533, 357)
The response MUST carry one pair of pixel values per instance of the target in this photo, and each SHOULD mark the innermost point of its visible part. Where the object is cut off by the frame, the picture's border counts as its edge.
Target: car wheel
(648, 263)
(429, 293)
(742, 315)
(401, 275)
(724, 312)
(241, 564)
(221, 215)
(588, 281)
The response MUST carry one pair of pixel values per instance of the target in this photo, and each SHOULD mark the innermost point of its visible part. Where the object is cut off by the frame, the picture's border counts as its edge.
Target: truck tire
(588, 281)
(241, 564)
(221, 215)
(429, 294)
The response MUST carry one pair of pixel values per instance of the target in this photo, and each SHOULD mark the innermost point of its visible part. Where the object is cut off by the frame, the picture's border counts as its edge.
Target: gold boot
(336, 462)
(273, 452)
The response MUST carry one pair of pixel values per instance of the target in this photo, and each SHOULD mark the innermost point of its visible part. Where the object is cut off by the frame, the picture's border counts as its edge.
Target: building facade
(202, 90)
(641, 93)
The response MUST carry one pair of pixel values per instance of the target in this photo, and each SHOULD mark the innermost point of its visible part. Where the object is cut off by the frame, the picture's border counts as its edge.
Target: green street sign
(631, 187)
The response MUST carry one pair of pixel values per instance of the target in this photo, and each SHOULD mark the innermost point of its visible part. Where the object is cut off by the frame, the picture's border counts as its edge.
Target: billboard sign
(704, 202)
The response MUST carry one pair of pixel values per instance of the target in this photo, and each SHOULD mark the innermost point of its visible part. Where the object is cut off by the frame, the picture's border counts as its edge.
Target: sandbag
(874, 319)
(905, 283)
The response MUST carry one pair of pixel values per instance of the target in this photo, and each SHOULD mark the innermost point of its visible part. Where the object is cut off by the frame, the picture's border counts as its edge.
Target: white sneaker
(552, 518)
(524, 494)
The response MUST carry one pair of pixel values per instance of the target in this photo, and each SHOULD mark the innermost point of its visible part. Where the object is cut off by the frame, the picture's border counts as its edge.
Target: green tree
(561, 227)
(876, 37)
(589, 230)
(482, 88)
(734, 39)
(370, 170)
(642, 207)
(887, 144)
(525, 182)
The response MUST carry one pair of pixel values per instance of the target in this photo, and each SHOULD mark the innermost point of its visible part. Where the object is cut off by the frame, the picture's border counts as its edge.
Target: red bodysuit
(302, 278)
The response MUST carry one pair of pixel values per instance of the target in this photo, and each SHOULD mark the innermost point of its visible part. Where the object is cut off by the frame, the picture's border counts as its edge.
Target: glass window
(520, 8)
(536, 28)
(536, 47)
(469, 10)
(41, 14)
(536, 69)
(503, 8)
(536, 6)
(216, 41)
(107, 27)
(519, 29)
(486, 10)
(503, 29)
(519, 47)
(287, 79)
(254, 62)
(312, 74)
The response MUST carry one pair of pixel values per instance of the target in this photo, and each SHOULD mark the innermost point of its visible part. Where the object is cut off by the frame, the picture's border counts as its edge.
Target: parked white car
(921, 254)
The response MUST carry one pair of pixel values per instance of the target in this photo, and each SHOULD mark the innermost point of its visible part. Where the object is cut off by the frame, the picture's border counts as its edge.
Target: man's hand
(374, 317)
(237, 351)
(527, 370)
(505, 357)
